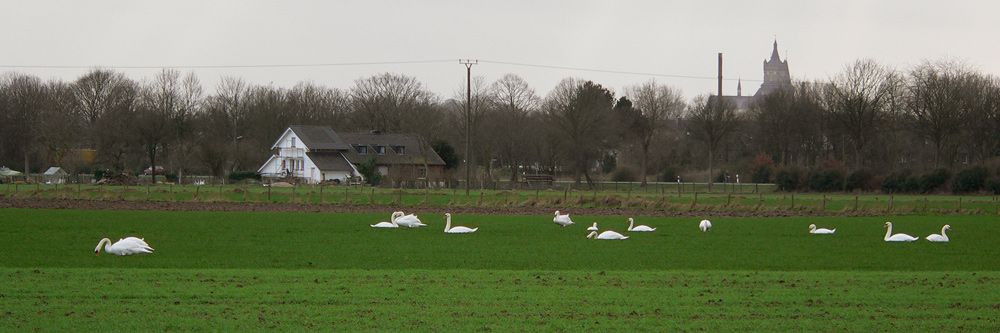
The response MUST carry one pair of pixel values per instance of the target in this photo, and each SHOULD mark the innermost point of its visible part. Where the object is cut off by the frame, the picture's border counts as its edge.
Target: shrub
(99, 174)
(859, 180)
(895, 182)
(761, 174)
(788, 179)
(993, 185)
(236, 176)
(368, 169)
(934, 180)
(969, 180)
(171, 177)
(624, 174)
(608, 164)
(826, 180)
(670, 174)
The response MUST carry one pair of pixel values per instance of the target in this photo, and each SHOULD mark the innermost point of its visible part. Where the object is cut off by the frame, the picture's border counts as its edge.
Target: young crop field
(294, 271)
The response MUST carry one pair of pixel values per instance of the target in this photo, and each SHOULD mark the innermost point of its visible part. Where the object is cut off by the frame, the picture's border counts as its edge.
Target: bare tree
(711, 120)
(861, 100)
(383, 102)
(656, 103)
(513, 100)
(941, 96)
(577, 113)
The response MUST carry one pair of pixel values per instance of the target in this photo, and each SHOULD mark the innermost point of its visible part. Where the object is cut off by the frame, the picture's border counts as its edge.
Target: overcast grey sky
(675, 42)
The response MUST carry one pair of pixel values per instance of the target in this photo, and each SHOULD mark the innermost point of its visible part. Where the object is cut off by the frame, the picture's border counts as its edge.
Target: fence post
(147, 192)
(196, 190)
(960, 204)
(371, 197)
(890, 201)
(245, 192)
(793, 200)
(824, 202)
(321, 194)
(855, 202)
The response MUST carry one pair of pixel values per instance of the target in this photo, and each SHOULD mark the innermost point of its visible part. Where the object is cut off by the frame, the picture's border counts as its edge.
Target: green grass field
(295, 271)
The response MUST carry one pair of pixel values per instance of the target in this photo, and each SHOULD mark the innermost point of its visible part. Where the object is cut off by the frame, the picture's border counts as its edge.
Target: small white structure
(55, 175)
(312, 153)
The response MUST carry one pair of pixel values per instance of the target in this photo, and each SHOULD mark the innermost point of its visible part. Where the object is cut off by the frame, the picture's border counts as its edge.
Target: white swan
(705, 225)
(123, 247)
(608, 234)
(638, 228)
(409, 221)
(562, 220)
(820, 231)
(390, 224)
(943, 237)
(593, 227)
(457, 229)
(897, 237)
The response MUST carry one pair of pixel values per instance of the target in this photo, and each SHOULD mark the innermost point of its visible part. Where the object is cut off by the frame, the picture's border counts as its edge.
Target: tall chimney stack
(720, 74)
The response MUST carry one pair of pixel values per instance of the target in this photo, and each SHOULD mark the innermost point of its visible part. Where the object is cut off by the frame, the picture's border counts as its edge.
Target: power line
(374, 63)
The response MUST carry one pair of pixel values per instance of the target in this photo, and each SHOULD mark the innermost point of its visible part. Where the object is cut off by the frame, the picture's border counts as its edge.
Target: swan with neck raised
(409, 221)
(943, 237)
(607, 234)
(638, 228)
(705, 225)
(820, 231)
(390, 224)
(593, 227)
(889, 237)
(458, 229)
(123, 247)
(562, 219)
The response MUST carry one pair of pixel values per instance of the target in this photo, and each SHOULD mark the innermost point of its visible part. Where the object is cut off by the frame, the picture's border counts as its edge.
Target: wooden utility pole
(468, 122)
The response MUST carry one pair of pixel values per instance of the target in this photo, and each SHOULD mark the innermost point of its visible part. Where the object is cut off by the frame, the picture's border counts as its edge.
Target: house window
(400, 150)
(293, 142)
(361, 149)
(379, 150)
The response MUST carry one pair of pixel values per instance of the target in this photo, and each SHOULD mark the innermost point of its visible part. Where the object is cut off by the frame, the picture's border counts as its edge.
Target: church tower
(776, 75)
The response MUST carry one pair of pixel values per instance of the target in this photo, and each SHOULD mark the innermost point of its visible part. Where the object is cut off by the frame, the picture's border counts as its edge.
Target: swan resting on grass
(409, 221)
(943, 237)
(820, 231)
(608, 234)
(638, 228)
(705, 225)
(123, 247)
(562, 220)
(458, 229)
(593, 227)
(889, 237)
(390, 224)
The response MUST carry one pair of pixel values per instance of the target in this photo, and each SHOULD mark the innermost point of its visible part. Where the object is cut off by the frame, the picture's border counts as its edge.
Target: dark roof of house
(411, 149)
(319, 137)
(329, 161)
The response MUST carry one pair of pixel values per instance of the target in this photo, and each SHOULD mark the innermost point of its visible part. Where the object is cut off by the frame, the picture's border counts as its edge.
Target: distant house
(55, 175)
(314, 154)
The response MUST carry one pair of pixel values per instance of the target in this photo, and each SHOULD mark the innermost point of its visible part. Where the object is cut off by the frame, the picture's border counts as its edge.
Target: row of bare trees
(935, 114)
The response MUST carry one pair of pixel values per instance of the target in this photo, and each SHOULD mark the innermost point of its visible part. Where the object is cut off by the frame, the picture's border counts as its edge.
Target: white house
(314, 154)
(310, 153)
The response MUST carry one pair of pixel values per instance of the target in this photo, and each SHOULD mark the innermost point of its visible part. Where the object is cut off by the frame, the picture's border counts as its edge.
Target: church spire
(774, 53)
(739, 87)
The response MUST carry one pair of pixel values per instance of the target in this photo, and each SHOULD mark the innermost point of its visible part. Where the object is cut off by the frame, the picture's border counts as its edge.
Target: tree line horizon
(869, 121)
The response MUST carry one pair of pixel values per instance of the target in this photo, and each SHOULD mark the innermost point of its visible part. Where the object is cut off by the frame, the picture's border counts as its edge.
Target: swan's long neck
(942, 232)
(447, 225)
(888, 231)
(395, 216)
(630, 222)
(104, 241)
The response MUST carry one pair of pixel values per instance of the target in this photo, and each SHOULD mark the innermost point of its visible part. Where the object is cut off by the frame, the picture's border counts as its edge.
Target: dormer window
(379, 150)
(400, 150)
(361, 149)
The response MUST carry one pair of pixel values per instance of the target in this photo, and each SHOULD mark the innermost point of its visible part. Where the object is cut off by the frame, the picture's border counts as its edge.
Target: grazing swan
(897, 237)
(608, 234)
(562, 220)
(123, 247)
(391, 223)
(409, 221)
(705, 225)
(638, 228)
(457, 229)
(820, 231)
(943, 237)
(593, 227)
